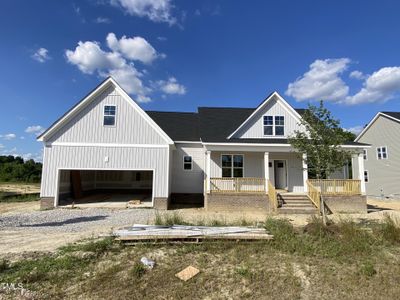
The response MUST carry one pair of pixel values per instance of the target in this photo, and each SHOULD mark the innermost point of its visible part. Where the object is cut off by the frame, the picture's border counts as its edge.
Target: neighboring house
(382, 160)
(230, 157)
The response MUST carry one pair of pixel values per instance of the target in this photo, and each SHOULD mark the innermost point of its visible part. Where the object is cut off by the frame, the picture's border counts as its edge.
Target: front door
(280, 174)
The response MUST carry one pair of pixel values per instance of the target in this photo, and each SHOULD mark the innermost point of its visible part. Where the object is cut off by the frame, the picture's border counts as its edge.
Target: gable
(85, 125)
(381, 131)
(253, 127)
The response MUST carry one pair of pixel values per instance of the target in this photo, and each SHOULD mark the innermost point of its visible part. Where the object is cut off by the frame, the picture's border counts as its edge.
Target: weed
(389, 230)
(243, 271)
(4, 265)
(169, 219)
(138, 270)
(368, 269)
(97, 247)
(15, 197)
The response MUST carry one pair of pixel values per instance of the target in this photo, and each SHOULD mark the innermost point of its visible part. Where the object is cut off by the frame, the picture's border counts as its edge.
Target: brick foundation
(46, 202)
(347, 204)
(161, 203)
(236, 202)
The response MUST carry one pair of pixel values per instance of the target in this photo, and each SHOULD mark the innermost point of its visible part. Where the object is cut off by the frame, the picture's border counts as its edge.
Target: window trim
(365, 154)
(191, 163)
(232, 167)
(380, 149)
(366, 175)
(274, 126)
(115, 116)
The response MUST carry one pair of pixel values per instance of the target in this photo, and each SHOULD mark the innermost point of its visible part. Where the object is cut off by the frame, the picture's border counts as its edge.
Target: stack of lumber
(139, 232)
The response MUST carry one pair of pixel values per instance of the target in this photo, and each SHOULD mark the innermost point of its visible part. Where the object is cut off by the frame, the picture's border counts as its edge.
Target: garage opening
(105, 188)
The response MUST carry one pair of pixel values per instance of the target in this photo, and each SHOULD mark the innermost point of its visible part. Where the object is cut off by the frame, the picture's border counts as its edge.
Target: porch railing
(337, 186)
(272, 196)
(314, 194)
(237, 185)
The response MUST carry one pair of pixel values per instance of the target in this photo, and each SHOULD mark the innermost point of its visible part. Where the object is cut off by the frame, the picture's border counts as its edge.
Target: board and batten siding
(384, 174)
(255, 127)
(87, 125)
(254, 167)
(119, 158)
(188, 181)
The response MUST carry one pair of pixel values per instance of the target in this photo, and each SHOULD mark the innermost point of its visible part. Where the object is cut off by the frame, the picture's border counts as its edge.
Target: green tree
(321, 141)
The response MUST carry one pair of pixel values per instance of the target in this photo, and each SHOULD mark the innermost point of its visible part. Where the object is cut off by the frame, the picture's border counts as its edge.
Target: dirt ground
(20, 188)
(16, 241)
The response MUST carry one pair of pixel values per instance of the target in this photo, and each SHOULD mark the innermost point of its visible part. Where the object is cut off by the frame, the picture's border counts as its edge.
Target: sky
(177, 55)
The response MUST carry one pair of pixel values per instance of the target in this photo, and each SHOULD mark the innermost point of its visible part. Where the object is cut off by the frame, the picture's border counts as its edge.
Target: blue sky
(178, 55)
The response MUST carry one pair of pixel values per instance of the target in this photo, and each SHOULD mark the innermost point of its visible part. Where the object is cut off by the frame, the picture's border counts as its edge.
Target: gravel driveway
(50, 229)
(75, 220)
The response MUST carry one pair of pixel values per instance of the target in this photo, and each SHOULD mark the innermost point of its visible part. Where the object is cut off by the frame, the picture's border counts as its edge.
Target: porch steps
(296, 204)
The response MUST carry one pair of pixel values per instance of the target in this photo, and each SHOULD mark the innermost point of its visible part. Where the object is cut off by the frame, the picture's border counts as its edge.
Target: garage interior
(105, 188)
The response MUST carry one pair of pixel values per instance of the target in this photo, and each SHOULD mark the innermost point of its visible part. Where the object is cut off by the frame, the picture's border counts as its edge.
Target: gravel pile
(75, 220)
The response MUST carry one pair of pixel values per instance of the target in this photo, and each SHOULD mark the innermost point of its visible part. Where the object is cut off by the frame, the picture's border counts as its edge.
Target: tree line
(15, 169)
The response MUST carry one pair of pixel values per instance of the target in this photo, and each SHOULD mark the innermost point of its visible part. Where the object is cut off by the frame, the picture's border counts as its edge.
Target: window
(268, 125)
(274, 125)
(365, 154)
(109, 115)
(366, 176)
(381, 152)
(232, 165)
(279, 125)
(187, 162)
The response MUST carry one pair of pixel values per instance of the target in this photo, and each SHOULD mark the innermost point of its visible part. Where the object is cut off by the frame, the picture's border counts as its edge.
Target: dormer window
(109, 115)
(274, 125)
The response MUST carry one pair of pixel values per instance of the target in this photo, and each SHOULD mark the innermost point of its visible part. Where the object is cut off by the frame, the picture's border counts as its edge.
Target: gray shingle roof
(211, 125)
(393, 114)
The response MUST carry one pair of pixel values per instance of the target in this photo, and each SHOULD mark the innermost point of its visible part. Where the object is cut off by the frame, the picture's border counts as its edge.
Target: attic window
(268, 125)
(274, 125)
(109, 115)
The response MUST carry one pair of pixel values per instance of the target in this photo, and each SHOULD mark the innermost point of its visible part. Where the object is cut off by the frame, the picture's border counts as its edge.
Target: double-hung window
(365, 154)
(381, 152)
(274, 125)
(366, 176)
(109, 115)
(187, 162)
(232, 165)
(268, 125)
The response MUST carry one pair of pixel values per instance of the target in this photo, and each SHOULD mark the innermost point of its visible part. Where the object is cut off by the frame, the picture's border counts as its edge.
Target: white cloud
(8, 136)
(381, 86)
(135, 48)
(35, 129)
(161, 38)
(90, 58)
(321, 82)
(41, 55)
(155, 10)
(356, 129)
(171, 86)
(102, 20)
(357, 75)
(1, 146)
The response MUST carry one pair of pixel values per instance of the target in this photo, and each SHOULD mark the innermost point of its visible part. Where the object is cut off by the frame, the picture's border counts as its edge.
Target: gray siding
(255, 128)
(120, 158)
(384, 175)
(87, 125)
(185, 181)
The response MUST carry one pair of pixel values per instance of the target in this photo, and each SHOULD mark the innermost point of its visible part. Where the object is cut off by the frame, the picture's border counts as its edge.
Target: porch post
(361, 172)
(305, 173)
(266, 169)
(208, 171)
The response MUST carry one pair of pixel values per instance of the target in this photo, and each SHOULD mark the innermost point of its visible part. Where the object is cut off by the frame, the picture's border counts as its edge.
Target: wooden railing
(314, 194)
(337, 186)
(228, 185)
(272, 196)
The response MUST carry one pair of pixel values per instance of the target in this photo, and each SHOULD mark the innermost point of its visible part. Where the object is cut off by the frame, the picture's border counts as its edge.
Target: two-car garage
(105, 187)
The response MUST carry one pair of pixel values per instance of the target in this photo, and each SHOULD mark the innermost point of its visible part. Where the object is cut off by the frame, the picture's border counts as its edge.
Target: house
(382, 160)
(226, 158)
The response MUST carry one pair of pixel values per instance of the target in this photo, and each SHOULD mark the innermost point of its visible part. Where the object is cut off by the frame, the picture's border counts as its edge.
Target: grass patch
(169, 219)
(9, 197)
(367, 269)
(389, 230)
(138, 270)
(97, 247)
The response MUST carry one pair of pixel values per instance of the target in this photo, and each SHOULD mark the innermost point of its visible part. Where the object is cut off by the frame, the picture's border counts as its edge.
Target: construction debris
(187, 273)
(140, 232)
(148, 262)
